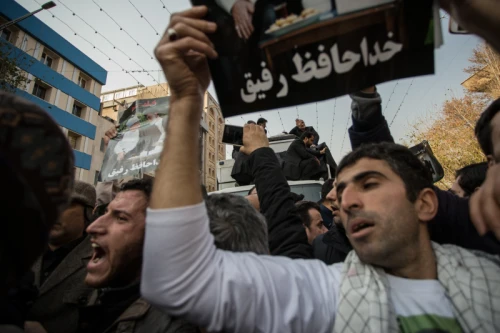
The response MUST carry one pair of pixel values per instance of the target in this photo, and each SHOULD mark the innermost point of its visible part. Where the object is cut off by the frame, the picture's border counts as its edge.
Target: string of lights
(115, 48)
(121, 29)
(402, 101)
(144, 17)
(345, 133)
(390, 96)
(165, 7)
(317, 119)
(333, 122)
(96, 48)
(281, 120)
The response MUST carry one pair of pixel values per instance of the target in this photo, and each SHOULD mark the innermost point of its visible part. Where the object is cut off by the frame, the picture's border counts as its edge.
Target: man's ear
(426, 205)
(491, 160)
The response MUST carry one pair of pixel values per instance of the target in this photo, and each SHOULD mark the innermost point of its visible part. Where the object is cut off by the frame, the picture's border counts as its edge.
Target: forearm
(177, 181)
(185, 275)
(286, 233)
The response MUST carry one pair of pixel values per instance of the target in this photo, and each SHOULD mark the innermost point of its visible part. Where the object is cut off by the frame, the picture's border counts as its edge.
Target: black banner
(311, 50)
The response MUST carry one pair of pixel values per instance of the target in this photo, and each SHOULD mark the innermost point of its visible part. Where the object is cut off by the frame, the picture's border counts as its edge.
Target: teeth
(96, 260)
(94, 245)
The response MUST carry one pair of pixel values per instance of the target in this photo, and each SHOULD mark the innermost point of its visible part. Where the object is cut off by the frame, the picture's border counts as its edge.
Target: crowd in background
(383, 251)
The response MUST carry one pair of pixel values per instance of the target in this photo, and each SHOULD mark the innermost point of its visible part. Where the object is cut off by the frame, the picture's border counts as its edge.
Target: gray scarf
(471, 280)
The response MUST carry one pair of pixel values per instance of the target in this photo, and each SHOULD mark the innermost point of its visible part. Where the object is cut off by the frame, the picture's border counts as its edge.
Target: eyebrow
(117, 211)
(360, 176)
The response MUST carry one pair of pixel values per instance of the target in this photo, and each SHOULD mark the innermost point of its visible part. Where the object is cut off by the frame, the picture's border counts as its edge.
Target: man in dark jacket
(287, 236)
(60, 272)
(301, 128)
(301, 163)
(115, 269)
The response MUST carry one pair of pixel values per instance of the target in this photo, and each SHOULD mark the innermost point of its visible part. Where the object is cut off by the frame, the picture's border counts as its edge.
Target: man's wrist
(188, 107)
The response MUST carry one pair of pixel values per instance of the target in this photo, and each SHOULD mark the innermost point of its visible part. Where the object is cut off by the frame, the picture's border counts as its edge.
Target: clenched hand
(184, 60)
(254, 138)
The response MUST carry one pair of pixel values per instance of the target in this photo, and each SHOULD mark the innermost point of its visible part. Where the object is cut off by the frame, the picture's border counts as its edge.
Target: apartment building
(211, 125)
(62, 80)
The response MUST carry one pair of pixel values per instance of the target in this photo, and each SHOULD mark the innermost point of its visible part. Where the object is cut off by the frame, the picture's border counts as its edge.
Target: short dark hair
(471, 177)
(261, 121)
(400, 159)
(236, 225)
(483, 127)
(144, 185)
(303, 208)
(251, 122)
(306, 134)
(326, 188)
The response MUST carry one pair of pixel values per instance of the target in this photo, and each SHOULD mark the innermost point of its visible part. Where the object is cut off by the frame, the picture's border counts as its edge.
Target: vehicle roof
(248, 187)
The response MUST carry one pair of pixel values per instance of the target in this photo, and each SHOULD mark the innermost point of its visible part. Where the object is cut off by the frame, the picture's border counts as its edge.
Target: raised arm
(183, 272)
(287, 236)
(368, 122)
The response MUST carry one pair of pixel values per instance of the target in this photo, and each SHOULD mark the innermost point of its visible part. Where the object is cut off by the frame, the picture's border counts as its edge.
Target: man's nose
(332, 195)
(98, 226)
(351, 200)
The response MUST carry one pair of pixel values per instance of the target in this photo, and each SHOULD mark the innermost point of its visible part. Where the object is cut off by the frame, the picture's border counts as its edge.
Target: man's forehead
(128, 200)
(362, 166)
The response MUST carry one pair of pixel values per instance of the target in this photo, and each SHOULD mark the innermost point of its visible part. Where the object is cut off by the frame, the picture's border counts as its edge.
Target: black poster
(275, 54)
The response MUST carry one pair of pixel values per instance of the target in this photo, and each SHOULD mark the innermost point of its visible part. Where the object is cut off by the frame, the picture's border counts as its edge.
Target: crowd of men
(383, 251)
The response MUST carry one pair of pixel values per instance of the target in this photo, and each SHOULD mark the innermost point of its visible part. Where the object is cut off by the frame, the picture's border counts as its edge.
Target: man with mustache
(115, 269)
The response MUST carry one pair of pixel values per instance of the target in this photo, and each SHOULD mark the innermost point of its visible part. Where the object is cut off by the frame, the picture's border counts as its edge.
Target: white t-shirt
(422, 306)
(186, 275)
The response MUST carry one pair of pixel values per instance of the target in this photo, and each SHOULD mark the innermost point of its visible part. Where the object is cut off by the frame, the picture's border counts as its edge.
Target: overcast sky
(425, 95)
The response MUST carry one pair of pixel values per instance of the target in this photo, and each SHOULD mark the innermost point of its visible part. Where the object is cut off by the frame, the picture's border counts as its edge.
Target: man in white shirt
(395, 280)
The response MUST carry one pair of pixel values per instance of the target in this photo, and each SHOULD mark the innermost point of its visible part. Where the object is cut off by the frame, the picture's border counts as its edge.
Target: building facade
(211, 125)
(61, 79)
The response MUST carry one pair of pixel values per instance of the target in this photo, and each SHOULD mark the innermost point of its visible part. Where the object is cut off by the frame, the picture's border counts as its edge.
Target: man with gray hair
(236, 225)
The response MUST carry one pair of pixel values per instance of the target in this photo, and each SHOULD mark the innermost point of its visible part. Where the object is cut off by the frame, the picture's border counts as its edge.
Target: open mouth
(361, 229)
(99, 253)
